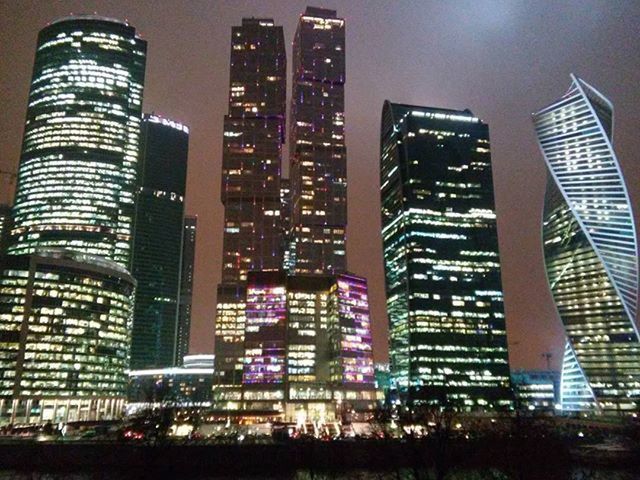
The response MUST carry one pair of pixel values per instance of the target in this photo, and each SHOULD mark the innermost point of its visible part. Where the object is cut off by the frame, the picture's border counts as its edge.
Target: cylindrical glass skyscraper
(66, 297)
(76, 179)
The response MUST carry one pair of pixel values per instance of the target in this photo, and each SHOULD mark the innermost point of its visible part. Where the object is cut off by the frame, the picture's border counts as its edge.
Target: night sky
(502, 60)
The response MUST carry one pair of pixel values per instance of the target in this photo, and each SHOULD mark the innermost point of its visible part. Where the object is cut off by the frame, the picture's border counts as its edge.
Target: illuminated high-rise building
(591, 252)
(65, 326)
(77, 173)
(318, 156)
(307, 346)
(254, 132)
(66, 296)
(448, 342)
(186, 286)
(157, 246)
(293, 334)
(252, 150)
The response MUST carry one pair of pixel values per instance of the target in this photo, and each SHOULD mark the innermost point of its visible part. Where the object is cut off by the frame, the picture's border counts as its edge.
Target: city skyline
(359, 240)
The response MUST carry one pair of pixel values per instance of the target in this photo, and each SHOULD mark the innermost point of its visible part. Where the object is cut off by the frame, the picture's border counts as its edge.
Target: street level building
(591, 252)
(448, 342)
(77, 174)
(158, 241)
(65, 323)
(307, 347)
(186, 386)
(536, 390)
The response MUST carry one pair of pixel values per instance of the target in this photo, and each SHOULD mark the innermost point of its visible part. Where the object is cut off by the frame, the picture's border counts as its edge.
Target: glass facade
(77, 174)
(590, 252)
(291, 334)
(66, 297)
(448, 342)
(536, 389)
(265, 337)
(186, 285)
(158, 236)
(254, 132)
(252, 149)
(317, 151)
(229, 341)
(65, 322)
(307, 347)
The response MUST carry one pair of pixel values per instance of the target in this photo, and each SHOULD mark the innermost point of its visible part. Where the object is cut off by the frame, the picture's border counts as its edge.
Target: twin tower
(293, 332)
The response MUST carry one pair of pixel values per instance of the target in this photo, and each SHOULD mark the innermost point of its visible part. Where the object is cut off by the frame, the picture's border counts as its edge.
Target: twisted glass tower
(590, 252)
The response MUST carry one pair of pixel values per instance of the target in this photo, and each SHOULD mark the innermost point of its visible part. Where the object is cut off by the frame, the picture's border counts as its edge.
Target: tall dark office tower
(591, 252)
(77, 174)
(318, 154)
(157, 246)
(254, 131)
(186, 286)
(448, 341)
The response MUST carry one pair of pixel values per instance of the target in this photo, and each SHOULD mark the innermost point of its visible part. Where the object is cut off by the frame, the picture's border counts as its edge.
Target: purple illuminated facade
(353, 363)
(307, 346)
(265, 330)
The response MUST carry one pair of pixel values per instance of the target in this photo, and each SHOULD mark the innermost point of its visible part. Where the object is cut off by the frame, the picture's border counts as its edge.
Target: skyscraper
(254, 131)
(448, 342)
(186, 286)
(591, 252)
(318, 156)
(252, 150)
(66, 297)
(158, 234)
(77, 173)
